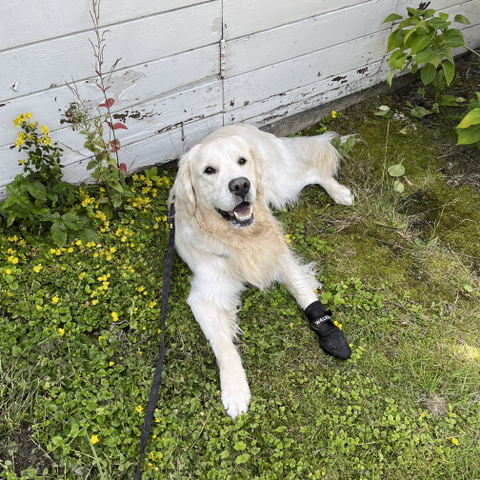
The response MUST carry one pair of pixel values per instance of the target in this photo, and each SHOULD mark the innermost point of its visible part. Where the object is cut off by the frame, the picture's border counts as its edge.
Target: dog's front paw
(342, 195)
(235, 392)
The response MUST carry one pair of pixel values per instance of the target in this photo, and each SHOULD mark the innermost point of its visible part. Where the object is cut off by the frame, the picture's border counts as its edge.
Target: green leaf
(449, 70)
(396, 170)
(395, 40)
(240, 446)
(71, 220)
(242, 459)
(468, 288)
(471, 118)
(398, 186)
(437, 23)
(420, 42)
(117, 187)
(447, 101)
(426, 55)
(461, 19)
(390, 76)
(384, 112)
(58, 233)
(454, 39)
(392, 17)
(420, 112)
(414, 30)
(87, 235)
(336, 142)
(469, 135)
(91, 164)
(409, 22)
(397, 59)
(36, 189)
(443, 16)
(428, 73)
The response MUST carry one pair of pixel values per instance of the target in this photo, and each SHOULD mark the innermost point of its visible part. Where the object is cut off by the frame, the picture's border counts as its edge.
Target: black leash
(157, 378)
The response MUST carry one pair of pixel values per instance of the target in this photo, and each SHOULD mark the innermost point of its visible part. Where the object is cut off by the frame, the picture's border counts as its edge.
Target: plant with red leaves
(105, 163)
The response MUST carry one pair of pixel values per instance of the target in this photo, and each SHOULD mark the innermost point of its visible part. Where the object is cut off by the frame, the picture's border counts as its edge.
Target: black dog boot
(331, 338)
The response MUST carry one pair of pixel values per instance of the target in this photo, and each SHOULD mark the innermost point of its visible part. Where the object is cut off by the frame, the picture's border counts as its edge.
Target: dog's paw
(342, 195)
(235, 393)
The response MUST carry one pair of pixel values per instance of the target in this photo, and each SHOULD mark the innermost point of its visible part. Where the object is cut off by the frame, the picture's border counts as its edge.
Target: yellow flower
(52, 250)
(55, 299)
(114, 316)
(455, 441)
(334, 114)
(20, 140)
(13, 259)
(94, 439)
(158, 420)
(21, 162)
(44, 130)
(37, 268)
(111, 364)
(139, 408)
(78, 243)
(38, 307)
(8, 271)
(18, 121)
(94, 302)
(152, 304)
(61, 331)
(28, 116)
(47, 141)
(99, 338)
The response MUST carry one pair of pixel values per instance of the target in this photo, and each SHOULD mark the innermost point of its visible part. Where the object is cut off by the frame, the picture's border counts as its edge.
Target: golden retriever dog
(227, 235)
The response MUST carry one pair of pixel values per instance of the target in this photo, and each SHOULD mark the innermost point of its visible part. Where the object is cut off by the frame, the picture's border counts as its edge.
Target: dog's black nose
(240, 186)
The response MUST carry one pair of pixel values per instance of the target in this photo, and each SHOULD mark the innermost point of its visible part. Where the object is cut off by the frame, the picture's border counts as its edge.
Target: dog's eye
(209, 170)
(242, 161)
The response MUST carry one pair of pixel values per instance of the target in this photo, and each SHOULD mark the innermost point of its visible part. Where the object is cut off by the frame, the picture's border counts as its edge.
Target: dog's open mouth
(240, 216)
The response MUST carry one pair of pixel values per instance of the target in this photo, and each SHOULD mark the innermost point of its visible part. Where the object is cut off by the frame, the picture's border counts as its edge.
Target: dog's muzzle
(240, 216)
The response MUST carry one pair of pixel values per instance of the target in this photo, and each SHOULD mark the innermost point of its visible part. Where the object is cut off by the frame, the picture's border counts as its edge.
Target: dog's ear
(183, 183)
(258, 166)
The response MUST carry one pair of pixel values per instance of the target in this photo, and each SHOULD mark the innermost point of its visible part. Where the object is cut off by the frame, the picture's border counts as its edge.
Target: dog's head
(222, 176)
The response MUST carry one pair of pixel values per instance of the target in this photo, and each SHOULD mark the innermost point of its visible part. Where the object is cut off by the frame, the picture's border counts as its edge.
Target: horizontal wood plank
(301, 71)
(250, 16)
(130, 89)
(44, 65)
(306, 36)
(304, 98)
(54, 18)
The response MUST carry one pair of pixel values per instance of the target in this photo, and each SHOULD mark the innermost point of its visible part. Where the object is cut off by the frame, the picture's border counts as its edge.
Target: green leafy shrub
(39, 194)
(423, 38)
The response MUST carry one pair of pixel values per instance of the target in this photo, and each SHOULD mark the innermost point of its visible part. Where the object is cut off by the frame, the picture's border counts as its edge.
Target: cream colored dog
(229, 238)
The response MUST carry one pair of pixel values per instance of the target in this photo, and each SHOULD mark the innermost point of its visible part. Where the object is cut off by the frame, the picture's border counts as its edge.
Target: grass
(401, 273)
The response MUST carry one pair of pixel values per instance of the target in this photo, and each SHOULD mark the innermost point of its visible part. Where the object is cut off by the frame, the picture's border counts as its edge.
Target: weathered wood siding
(281, 57)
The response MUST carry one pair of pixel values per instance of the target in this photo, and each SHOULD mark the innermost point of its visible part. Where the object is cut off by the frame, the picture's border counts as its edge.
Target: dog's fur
(224, 255)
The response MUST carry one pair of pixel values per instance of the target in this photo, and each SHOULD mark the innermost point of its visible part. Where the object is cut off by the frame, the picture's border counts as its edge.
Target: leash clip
(171, 213)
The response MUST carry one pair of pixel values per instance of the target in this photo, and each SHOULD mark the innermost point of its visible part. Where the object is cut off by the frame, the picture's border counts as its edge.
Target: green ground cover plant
(79, 330)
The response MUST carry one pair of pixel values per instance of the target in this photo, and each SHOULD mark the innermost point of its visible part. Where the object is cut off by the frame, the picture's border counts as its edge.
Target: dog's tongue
(242, 209)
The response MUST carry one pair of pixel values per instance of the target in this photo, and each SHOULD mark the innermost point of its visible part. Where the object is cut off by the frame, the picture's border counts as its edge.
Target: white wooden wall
(281, 57)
